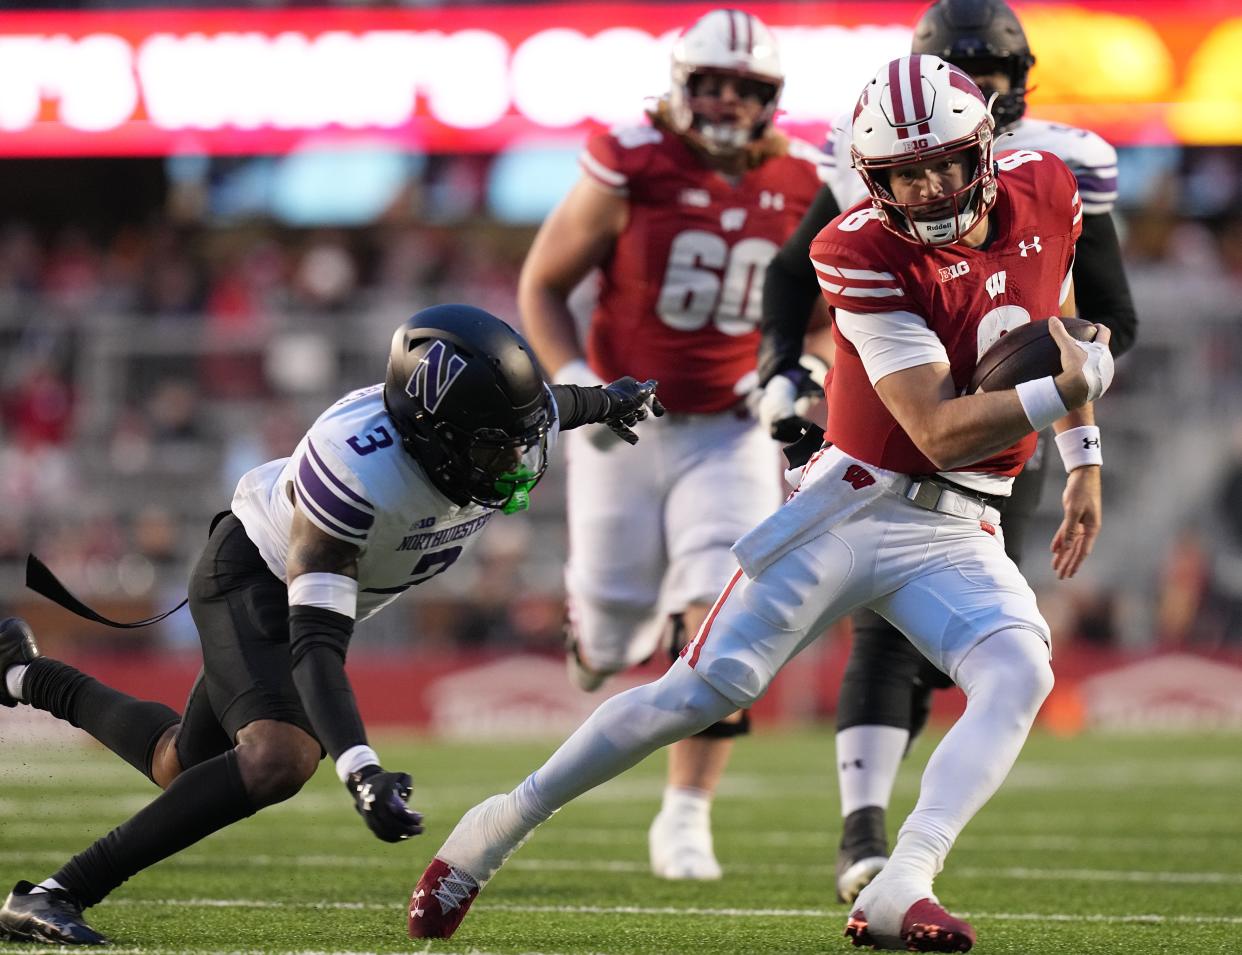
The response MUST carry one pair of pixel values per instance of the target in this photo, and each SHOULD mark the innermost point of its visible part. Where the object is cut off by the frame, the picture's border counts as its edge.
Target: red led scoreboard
(156, 82)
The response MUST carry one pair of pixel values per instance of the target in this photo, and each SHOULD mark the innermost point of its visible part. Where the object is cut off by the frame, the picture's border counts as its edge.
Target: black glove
(628, 401)
(380, 799)
(778, 403)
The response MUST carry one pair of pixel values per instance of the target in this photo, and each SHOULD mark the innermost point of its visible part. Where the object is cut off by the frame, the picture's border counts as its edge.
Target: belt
(934, 494)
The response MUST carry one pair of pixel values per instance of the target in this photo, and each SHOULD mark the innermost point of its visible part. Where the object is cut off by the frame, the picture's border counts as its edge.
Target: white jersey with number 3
(353, 479)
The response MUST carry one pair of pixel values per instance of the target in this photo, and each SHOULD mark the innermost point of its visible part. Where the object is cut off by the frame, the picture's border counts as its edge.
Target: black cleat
(863, 852)
(53, 917)
(17, 646)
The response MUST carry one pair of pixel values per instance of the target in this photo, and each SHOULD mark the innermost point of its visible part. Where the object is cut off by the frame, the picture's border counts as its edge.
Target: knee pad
(723, 730)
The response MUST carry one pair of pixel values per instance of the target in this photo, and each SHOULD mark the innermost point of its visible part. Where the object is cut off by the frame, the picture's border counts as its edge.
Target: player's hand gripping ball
(1026, 353)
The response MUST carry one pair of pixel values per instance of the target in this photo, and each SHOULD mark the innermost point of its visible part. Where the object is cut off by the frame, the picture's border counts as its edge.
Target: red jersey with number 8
(969, 297)
(681, 293)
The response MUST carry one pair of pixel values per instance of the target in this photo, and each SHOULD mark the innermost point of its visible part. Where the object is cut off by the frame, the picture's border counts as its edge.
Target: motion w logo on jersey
(434, 376)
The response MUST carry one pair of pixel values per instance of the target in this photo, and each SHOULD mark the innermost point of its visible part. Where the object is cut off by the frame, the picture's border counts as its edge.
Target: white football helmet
(731, 43)
(916, 109)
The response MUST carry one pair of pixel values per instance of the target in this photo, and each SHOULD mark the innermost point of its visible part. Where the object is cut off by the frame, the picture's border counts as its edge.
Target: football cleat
(440, 901)
(681, 848)
(53, 917)
(17, 647)
(863, 852)
(926, 927)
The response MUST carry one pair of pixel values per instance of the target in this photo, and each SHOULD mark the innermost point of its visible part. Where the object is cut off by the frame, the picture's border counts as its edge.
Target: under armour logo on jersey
(699, 198)
(857, 477)
(771, 200)
(996, 283)
(434, 376)
(732, 219)
(1033, 245)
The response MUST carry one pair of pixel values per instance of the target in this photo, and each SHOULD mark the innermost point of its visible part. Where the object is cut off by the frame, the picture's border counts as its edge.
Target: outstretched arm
(322, 574)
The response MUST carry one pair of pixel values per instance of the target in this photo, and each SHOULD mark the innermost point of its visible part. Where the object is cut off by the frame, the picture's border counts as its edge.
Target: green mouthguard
(518, 483)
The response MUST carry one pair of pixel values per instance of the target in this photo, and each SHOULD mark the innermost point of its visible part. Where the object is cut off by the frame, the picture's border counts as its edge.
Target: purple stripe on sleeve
(347, 491)
(322, 519)
(1097, 184)
(343, 512)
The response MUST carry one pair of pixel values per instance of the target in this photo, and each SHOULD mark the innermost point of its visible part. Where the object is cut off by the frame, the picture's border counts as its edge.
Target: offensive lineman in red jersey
(681, 216)
(900, 515)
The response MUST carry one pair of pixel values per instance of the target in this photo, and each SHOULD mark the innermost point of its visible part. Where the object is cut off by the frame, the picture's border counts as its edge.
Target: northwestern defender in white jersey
(387, 489)
(886, 691)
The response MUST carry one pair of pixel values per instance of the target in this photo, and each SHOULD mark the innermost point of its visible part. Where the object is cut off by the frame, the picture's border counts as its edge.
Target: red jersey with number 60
(681, 294)
(968, 297)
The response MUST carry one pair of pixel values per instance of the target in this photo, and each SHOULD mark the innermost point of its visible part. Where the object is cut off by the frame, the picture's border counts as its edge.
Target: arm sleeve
(1100, 284)
(318, 639)
(790, 291)
(576, 406)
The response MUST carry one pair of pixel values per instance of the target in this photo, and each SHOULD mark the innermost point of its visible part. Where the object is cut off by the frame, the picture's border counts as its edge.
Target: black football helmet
(470, 402)
(980, 36)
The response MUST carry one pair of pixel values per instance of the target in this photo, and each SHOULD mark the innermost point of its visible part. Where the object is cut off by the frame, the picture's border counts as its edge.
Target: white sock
(867, 761)
(1005, 679)
(685, 801)
(46, 886)
(13, 678)
(626, 729)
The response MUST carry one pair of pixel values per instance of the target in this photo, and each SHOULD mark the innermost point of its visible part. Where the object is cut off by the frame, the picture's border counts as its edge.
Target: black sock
(202, 800)
(129, 727)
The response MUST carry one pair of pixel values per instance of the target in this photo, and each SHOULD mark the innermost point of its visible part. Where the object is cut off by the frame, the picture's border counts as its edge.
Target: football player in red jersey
(680, 216)
(897, 511)
(886, 692)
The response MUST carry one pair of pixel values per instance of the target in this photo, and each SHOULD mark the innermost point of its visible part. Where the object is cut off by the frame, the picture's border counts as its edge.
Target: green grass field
(1098, 844)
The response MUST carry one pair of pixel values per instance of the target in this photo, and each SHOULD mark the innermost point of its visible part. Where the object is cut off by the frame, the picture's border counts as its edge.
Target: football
(1024, 354)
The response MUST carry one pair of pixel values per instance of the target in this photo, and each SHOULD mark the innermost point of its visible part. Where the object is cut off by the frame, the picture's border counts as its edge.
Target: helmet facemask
(943, 219)
(698, 111)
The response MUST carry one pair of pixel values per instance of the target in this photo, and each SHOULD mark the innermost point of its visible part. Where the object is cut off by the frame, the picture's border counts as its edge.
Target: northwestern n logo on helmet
(434, 376)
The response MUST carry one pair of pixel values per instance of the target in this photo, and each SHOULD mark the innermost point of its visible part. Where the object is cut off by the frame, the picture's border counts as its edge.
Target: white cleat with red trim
(476, 848)
(905, 917)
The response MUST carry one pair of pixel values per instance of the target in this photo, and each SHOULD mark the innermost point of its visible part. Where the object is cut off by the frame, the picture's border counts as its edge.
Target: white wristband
(353, 759)
(326, 591)
(1042, 402)
(1080, 447)
(577, 372)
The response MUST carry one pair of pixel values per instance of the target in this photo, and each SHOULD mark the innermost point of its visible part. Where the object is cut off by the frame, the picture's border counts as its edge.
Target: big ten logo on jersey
(709, 280)
(956, 270)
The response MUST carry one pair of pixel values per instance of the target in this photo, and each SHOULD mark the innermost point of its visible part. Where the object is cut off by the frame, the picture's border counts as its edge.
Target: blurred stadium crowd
(151, 358)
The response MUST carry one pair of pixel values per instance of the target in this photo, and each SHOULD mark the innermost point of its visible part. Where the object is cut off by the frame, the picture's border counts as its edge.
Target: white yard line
(1095, 917)
(627, 867)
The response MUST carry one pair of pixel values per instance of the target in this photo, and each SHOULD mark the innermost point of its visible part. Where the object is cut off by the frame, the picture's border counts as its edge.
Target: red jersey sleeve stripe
(598, 171)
